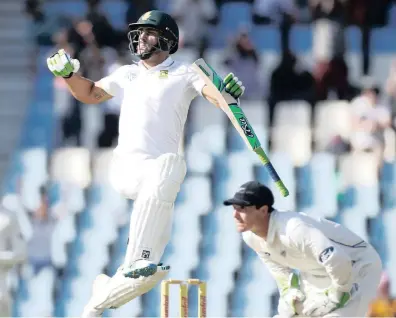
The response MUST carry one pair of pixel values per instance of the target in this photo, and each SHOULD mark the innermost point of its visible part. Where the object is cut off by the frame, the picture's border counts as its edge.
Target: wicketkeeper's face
(246, 217)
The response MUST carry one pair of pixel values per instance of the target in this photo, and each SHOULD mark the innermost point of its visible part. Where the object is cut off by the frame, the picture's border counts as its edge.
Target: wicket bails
(183, 296)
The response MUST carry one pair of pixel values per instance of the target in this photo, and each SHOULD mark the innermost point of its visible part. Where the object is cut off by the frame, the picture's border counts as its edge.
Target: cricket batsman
(12, 252)
(147, 166)
(322, 269)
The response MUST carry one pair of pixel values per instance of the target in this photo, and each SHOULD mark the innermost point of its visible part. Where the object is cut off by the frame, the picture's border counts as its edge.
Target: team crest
(146, 16)
(163, 74)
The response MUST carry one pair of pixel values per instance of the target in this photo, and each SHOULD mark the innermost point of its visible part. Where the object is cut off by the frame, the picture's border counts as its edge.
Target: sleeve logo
(325, 255)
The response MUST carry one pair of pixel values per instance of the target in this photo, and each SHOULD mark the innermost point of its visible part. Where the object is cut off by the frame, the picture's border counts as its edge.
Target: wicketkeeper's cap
(252, 193)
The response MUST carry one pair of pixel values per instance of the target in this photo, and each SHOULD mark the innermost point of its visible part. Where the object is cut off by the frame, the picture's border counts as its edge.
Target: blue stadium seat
(233, 17)
(388, 185)
(70, 8)
(266, 38)
(318, 186)
(253, 279)
(115, 11)
(40, 291)
(390, 234)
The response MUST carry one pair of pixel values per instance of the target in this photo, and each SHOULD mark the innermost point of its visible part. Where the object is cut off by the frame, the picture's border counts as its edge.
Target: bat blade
(236, 115)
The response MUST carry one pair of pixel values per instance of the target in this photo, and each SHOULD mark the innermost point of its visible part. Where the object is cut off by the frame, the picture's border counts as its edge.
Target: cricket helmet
(162, 22)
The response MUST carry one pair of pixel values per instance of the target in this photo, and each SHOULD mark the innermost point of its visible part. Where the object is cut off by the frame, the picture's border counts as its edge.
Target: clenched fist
(61, 64)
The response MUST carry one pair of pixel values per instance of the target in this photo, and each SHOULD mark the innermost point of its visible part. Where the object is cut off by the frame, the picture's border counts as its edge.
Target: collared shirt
(155, 105)
(319, 247)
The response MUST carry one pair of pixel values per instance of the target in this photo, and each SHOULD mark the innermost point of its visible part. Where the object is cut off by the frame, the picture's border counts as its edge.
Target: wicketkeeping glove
(331, 299)
(289, 296)
(61, 64)
(233, 86)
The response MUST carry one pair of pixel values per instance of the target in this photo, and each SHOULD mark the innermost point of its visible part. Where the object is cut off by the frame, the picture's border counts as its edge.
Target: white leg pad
(152, 216)
(120, 290)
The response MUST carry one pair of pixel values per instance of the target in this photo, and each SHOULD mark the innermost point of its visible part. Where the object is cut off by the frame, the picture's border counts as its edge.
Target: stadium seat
(185, 55)
(320, 185)
(198, 161)
(222, 264)
(253, 279)
(115, 12)
(388, 184)
(266, 38)
(34, 175)
(64, 233)
(359, 180)
(207, 127)
(40, 290)
(295, 141)
(232, 17)
(70, 8)
(331, 119)
(293, 113)
(71, 165)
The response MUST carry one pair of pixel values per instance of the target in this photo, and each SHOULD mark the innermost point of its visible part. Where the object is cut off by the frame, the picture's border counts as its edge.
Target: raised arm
(83, 89)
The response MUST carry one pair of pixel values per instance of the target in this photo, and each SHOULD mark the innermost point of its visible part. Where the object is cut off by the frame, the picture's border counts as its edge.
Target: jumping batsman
(157, 92)
(338, 271)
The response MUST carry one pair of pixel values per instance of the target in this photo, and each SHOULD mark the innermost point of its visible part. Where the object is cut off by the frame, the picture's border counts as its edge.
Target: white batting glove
(331, 299)
(289, 297)
(61, 64)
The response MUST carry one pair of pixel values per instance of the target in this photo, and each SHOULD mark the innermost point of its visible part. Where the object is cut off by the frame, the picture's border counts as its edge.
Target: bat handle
(273, 174)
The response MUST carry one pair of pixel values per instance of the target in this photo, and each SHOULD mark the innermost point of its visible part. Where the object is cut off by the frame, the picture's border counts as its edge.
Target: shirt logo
(145, 254)
(163, 74)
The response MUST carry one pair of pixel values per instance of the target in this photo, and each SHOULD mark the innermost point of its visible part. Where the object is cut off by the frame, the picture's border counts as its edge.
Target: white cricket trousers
(367, 276)
(154, 184)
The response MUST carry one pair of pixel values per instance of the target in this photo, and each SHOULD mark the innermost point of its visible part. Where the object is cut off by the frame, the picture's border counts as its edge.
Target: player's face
(148, 38)
(246, 217)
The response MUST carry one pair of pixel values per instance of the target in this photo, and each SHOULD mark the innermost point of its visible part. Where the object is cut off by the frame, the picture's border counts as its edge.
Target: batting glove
(61, 64)
(233, 86)
(289, 297)
(331, 299)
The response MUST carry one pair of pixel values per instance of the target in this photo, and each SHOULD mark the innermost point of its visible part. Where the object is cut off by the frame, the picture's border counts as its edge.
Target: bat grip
(274, 175)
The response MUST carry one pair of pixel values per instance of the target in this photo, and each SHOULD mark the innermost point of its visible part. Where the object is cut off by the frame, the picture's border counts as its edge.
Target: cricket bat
(235, 113)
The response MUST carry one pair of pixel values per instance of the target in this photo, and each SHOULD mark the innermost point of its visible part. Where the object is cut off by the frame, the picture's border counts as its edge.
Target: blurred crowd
(101, 48)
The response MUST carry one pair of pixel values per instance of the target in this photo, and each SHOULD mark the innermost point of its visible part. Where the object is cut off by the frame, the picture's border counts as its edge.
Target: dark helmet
(164, 24)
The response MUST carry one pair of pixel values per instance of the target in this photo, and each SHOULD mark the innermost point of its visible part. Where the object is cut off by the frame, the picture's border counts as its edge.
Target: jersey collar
(165, 64)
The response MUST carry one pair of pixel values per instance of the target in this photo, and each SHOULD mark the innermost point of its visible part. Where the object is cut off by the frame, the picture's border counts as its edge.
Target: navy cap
(252, 193)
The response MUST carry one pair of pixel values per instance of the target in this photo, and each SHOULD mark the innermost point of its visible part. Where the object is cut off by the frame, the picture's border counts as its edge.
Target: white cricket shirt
(155, 105)
(317, 247)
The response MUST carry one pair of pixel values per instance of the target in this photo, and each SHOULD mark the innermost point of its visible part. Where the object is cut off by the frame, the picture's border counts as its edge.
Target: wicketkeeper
(322, 269)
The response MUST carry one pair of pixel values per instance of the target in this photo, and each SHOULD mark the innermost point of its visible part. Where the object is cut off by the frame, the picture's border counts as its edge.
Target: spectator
(384, 305)
(280, 12)
(331, 71)
(369, 120)
(193, 17)
(39, 245)
(244, 61)
(290, 81)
